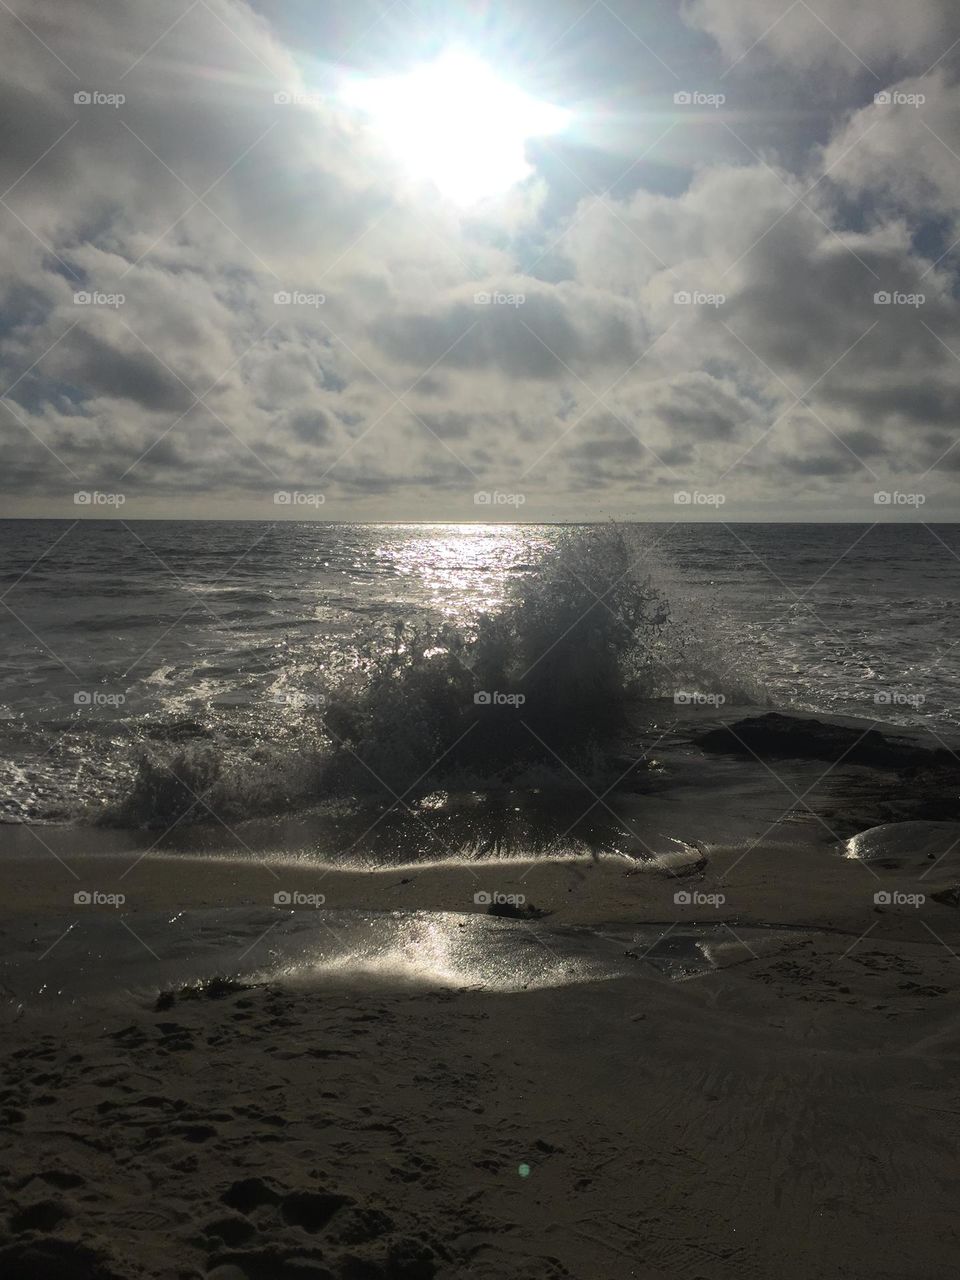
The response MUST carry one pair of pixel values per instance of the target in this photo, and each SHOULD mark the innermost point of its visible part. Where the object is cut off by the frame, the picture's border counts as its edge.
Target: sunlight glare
(455, 123)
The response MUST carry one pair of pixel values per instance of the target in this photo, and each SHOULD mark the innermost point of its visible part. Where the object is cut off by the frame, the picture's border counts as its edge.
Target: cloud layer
(209, 296)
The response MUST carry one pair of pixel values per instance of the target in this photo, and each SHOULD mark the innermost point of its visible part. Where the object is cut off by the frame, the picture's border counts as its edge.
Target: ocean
(154, 640)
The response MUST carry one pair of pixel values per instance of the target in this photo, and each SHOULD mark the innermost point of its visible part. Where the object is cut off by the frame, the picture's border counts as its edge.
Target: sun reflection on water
(442, 949)
(469, 570)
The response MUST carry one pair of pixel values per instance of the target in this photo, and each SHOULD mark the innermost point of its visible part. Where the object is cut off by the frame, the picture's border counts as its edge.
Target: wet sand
(787, 1108)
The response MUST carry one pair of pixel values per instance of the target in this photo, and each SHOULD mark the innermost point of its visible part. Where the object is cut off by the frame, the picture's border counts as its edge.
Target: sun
(455, 123)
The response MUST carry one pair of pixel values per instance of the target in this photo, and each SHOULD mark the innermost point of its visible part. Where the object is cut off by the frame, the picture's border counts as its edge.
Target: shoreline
(776, 881)
(617, 1080)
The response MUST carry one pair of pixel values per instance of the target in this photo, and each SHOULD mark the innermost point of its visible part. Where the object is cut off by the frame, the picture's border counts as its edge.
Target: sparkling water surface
(111, 629)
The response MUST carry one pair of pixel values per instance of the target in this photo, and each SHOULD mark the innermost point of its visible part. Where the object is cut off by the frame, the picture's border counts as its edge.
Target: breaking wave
(525, 695)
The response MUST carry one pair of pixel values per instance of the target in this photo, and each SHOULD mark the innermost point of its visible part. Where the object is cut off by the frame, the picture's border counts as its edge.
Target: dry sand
(793, 1113)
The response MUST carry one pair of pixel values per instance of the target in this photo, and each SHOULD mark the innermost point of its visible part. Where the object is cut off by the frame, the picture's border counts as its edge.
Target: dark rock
(775, 735)
(214, 988)
(512, 912)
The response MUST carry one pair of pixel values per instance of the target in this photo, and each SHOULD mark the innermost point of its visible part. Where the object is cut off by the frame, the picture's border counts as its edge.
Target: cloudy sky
(242, 258)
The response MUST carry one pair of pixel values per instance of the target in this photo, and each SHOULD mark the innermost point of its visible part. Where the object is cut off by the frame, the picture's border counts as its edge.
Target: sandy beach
(787, 1105)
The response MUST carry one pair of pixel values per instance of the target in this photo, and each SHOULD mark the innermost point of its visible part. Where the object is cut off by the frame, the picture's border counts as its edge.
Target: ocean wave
(531, 694)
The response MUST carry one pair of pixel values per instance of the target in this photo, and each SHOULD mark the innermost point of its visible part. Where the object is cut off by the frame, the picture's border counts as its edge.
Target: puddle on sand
(107, 956)
(445, 949)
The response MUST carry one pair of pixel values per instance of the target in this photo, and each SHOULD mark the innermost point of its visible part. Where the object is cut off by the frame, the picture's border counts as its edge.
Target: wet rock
(778, 736)
(511, 911)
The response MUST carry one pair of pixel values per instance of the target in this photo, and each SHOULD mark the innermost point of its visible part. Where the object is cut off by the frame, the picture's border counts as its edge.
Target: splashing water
(505, 696)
